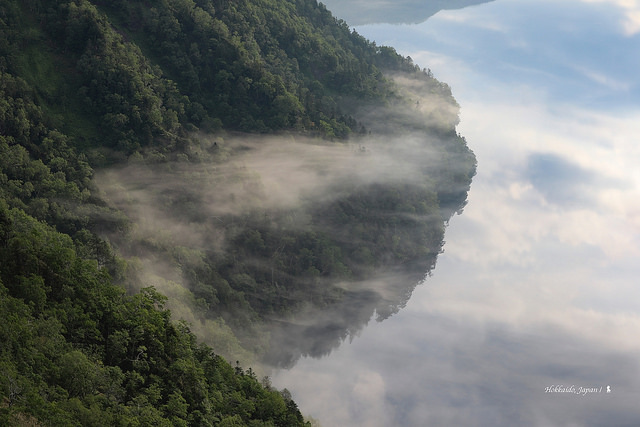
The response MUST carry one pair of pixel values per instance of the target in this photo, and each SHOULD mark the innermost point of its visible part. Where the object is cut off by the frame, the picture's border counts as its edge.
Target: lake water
(532, 314)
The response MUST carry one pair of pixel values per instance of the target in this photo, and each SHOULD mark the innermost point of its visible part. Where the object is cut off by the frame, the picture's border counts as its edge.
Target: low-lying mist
(284, 245)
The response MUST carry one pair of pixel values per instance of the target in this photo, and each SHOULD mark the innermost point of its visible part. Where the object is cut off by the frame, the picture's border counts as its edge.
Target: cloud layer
(630, 9)
(537, 285)
(361, 12)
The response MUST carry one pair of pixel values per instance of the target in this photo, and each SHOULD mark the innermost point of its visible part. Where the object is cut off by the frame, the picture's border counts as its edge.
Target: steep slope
(122, 165)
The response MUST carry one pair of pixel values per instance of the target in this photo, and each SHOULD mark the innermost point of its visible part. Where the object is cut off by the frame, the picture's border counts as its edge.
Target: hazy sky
(539, 283)
(363, 12)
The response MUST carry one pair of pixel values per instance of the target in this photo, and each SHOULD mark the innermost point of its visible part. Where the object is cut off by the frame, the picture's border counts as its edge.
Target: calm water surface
(532, 314)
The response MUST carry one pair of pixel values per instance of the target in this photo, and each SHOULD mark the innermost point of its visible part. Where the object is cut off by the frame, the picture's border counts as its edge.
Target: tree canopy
(90, 84)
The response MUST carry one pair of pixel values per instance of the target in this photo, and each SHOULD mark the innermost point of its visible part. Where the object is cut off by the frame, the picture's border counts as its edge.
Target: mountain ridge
(157, 148)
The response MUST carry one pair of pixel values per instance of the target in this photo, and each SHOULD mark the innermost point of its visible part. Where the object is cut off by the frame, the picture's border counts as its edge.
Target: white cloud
(504, 124)
(602, 79)
(357, 396)
(538, 261)
(610, 222)
(558, 281)
(469, 17)
(630, 10)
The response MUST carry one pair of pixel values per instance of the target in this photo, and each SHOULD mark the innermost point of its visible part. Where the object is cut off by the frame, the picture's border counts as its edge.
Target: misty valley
(292, 243)
(195, 183)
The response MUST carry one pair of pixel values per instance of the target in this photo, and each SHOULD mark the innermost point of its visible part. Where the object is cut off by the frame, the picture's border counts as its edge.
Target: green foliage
(89, 83)
(136, 74)
(77, 351)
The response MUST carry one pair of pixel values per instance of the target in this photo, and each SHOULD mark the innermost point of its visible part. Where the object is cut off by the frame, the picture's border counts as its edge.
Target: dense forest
(186, 182)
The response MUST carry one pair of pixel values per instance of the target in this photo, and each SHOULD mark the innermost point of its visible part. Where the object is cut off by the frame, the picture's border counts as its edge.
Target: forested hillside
(256, 161)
